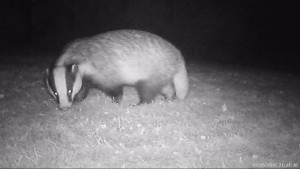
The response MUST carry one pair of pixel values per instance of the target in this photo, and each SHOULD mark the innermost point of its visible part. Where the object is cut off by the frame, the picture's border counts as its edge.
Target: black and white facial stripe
(64, 83)
(71, 71)
(51, 84)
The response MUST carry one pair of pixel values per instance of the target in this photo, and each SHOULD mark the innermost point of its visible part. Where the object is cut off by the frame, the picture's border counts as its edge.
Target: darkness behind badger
(247, 33)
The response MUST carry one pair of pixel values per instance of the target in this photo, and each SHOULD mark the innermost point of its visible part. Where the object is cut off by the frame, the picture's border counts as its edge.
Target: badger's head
(63, 84)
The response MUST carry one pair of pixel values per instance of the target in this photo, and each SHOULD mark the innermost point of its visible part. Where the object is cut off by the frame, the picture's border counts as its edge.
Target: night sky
(257, 33)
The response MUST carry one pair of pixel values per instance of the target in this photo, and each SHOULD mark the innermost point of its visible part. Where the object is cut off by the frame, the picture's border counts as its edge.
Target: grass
(232, 117)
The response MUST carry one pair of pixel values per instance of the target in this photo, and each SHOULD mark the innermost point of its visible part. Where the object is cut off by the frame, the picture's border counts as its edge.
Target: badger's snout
(64, 108)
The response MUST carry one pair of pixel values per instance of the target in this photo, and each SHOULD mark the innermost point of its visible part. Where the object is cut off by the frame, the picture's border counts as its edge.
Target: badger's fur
(116, 59)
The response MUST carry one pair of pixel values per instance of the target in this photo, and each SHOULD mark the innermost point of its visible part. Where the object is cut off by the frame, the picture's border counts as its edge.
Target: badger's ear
(74, 68)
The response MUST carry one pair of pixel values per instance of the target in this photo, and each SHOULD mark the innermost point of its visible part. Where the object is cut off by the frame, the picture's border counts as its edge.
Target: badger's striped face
(63, 84)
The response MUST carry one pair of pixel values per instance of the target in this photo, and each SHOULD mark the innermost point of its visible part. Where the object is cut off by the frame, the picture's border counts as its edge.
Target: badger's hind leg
(116, 94)
(168, 91)
(147, 91)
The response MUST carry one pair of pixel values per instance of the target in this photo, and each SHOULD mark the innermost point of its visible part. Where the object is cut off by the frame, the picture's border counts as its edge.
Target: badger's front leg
(81, 95)
(115, 93)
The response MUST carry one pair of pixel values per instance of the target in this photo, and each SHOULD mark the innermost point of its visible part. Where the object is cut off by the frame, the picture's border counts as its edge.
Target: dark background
(258, 33)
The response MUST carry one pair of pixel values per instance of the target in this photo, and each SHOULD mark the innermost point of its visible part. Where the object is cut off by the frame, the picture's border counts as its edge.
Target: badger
(113, 60)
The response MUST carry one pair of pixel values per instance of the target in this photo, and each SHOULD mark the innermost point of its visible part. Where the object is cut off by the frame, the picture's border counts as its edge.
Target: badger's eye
(69, 92)
(56, 95)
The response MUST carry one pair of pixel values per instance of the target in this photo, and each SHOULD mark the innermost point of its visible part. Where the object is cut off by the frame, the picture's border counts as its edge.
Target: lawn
(232, 117)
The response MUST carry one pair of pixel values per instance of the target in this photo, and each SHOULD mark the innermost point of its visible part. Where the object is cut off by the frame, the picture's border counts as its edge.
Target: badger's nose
(64, 108)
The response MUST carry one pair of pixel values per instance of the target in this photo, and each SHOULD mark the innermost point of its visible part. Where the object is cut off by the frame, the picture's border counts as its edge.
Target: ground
(232, 117)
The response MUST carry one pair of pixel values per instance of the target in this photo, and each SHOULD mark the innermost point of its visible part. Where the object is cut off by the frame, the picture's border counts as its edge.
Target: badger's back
(129, 55)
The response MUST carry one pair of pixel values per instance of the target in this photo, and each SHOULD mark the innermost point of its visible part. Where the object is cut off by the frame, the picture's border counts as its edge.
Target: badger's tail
(181, 82)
